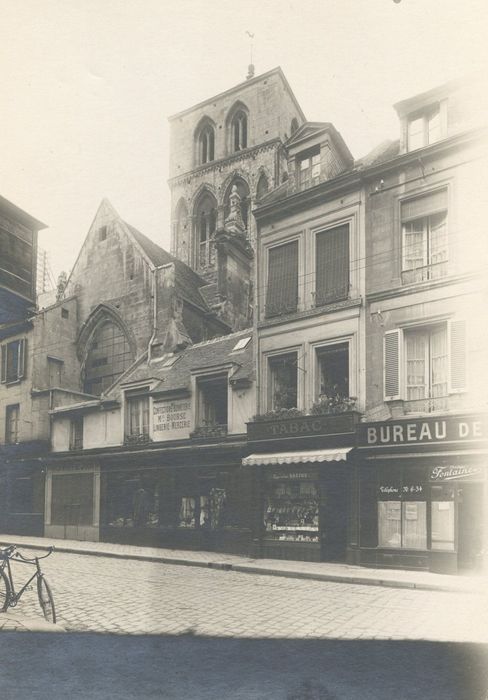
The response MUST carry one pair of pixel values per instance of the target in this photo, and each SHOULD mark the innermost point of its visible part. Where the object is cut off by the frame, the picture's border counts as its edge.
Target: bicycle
(9, 598)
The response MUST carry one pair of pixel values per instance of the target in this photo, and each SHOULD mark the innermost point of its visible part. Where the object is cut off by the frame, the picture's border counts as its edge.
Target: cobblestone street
(101, 594)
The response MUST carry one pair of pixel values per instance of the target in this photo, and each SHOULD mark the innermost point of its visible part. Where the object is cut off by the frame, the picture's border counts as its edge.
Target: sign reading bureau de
(469, 428)
(171, 420)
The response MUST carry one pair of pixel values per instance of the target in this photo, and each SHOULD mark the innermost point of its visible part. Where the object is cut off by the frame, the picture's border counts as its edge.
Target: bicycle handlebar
(10, 552)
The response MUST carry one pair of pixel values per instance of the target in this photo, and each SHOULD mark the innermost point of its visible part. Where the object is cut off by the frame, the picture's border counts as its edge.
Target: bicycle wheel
(46, 599)
(4, 591)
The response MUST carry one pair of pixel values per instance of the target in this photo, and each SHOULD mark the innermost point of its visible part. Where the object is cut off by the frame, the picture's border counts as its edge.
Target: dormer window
(308, 168)
(212, 402)
(424, 128)
(137, 417)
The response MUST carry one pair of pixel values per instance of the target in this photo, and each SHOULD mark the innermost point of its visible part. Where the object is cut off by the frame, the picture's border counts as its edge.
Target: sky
(88, 85)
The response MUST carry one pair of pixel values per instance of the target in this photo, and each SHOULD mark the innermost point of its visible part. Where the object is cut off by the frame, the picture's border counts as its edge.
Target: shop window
(13, 359)
(76, 433)
(402, 511)
(137, 418)
(333, 370)
(108, 356)
(212, 402)
(283, 381)
(291, 510)
(308, 168)
(331, 265)
(442, 518)
(282, 286)
(72, 499)
(424, 128)
(12, 421)
(239, 131)
(433, 366)
(424, 237)
(27, 494)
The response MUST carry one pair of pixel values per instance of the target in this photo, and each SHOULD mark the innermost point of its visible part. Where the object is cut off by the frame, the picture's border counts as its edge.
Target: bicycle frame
(15, 597)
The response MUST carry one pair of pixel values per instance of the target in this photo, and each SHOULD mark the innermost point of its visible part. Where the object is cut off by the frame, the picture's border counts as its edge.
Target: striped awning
(339, 454)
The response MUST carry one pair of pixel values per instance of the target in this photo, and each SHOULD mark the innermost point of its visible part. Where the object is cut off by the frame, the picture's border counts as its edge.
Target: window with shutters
(424, 237)
(12, 419)
(282, 381)
(331, 265)
(282, 286)
(424, 365)
(13, 360)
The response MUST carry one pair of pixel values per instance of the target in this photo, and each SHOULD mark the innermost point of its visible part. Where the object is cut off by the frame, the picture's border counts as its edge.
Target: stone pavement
(136, 597)
(343, 573)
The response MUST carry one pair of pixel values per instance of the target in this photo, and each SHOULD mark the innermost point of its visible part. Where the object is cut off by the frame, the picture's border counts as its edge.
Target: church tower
(225, 154)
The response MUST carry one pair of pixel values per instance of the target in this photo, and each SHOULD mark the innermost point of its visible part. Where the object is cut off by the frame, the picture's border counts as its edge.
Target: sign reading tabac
(171, 420)
(423, 431)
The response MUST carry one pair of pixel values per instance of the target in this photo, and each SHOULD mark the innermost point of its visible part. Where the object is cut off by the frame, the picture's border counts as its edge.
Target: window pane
(389, 524)
(439, 362)
(415, 133)
(438, 242)
(187, 512)
(416, 346)
(334, 370)
(434, 127)
(443, 525)
(283, 385)
(414, 524)
(414, 245)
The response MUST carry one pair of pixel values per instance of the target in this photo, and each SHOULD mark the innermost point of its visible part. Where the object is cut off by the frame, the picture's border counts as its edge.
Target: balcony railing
(137, 438)
(430, 405)
(433, 271)
(210, 431)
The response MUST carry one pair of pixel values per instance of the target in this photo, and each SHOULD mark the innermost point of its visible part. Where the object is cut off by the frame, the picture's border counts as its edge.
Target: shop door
(333, 518)
(470, 526)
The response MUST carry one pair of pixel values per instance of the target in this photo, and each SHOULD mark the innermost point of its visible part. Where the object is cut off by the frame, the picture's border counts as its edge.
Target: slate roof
(209, 354)
(187, 281)
(385, 151)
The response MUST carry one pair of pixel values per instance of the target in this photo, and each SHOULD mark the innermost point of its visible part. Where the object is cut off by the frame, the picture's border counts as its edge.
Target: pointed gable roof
(188, 282)
(311, 130)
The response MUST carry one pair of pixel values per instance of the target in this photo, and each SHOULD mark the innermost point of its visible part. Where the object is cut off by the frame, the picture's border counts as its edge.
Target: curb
(265, 571)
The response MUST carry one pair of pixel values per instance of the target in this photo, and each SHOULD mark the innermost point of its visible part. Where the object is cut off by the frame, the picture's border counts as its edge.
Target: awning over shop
(339, 454)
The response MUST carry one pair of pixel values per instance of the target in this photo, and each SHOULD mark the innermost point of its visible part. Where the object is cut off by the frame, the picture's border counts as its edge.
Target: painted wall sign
(171, 419)
(455, 429)
(453, 472)
(303, 426)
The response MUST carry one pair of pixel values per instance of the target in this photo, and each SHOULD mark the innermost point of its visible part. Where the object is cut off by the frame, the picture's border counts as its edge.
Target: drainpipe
(155, 313)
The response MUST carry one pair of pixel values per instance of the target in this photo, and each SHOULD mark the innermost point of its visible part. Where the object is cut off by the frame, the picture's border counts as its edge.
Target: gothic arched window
(205, 225)
(244, 194)
(206, 145)
(262, 187)
(109, 355)
(239, 131)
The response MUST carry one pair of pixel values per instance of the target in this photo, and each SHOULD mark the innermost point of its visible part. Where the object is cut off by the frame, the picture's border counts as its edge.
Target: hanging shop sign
(453, 472)
(425, 431)
(171, 419)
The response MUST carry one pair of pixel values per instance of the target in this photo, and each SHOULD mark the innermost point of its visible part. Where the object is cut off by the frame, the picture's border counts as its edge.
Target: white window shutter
(392, 365)
(457, 355)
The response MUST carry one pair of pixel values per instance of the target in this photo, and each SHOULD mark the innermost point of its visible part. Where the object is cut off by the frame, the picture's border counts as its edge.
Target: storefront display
(291, 512)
